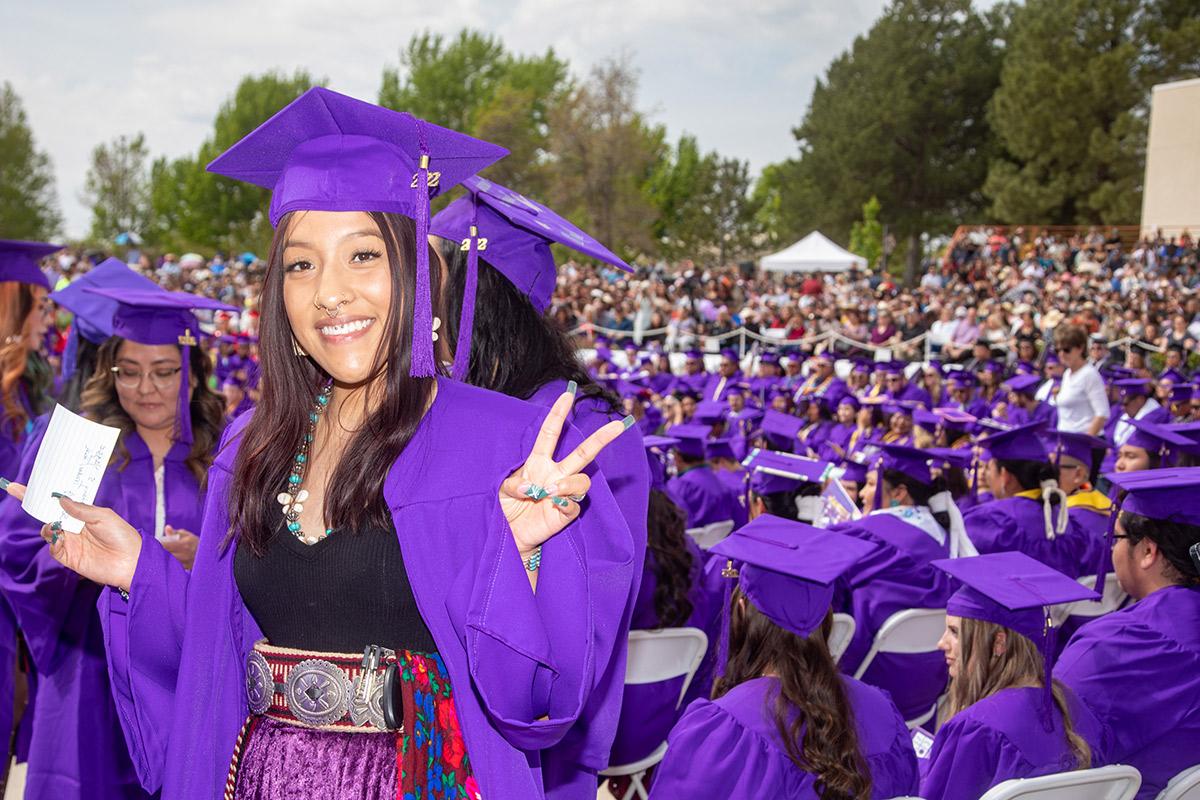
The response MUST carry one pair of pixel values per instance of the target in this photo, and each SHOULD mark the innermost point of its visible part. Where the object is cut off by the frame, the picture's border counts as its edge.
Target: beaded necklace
(292, 499)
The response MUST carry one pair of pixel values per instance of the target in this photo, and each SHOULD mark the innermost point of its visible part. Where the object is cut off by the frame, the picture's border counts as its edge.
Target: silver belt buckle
(318, 693)
(366, 704)
(260, 685)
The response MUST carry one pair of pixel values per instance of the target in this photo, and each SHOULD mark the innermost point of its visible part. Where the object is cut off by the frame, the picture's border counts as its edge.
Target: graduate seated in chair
(1138, 668)
(1007, 719)
(784, 723)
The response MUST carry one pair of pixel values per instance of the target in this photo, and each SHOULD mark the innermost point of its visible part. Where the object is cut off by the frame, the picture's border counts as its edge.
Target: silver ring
(318, 693)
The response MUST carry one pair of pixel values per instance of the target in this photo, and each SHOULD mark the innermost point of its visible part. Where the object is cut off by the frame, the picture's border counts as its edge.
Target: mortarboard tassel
(183, 412)
(422, 361)
(70, 353)
(1106, 551)
(730, 573)
(878, 502)
(1049, 637)
(466, 323)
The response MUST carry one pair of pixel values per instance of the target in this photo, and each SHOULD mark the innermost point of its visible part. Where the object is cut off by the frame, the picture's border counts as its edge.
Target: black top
(339, 595)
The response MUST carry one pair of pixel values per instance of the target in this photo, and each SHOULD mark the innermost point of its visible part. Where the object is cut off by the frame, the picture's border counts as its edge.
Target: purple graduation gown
(730, 748)
(894, 577)
(570, 767)
(1138, 669)
(912, 393)
(525, 665)
(77, 750)
(717, 387)
(1017, 523)
(649, 711)
(1003, 737)
(705, 498)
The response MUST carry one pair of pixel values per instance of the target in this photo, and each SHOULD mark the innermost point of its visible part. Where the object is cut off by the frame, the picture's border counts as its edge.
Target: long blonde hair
(982, 673)
(19, 305)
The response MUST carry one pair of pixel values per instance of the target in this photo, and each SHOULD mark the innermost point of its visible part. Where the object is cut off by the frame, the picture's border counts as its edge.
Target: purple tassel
(878, 483)
(723, 636)
(1106, 551)
(70, 353)
(422, 364)
(1049, 637)
(466, 323)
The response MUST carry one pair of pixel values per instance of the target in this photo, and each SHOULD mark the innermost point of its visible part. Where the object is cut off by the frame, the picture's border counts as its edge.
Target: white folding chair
(653, 657)
(840, 636)
(710, 534)
(1184, 786)
(915, 630)
(1118, 782)
(1110, 601)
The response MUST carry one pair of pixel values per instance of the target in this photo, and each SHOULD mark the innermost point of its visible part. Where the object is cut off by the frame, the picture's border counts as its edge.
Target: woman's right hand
(105, 551)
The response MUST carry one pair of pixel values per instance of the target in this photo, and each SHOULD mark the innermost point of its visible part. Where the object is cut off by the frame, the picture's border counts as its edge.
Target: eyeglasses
(160, 378)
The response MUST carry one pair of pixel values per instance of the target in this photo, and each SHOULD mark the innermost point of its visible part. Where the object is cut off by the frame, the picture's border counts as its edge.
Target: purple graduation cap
(1180, 393)
(788, 465)
(1131, 387)
(848, 399)
(710, 412)
(19, 261)
(656, 455)
(1024, 384)
(719, 448)
(1017, 444)
(160, 317)
(94, 313)
(863, 367)
(1172, 377)
(769, 357)
(1155, 438)
(787, 570)
(513, 234)
(1171, 495)
(961, 378)
(694, 355)
(1079, 446)
(780, 428)
(1015, 591)
(692, 438)
(325, 151)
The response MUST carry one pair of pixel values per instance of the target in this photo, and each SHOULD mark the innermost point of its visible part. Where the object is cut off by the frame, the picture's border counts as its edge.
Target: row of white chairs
(1115, 782)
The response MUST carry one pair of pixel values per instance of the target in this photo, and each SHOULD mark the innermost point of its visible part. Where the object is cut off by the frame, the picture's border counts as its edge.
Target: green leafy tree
(192, 208)
(866, 235)
(28, 203)
(603, 155)
(117, 187)
(1072, 105)
(732, 208)
(901, 116)
(473, 84)
(679, 187)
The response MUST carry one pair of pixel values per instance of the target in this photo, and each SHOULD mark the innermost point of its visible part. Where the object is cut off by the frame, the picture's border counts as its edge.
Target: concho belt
(327, 691)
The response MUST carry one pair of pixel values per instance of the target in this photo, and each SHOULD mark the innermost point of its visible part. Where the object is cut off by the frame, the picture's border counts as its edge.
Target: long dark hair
(515, 350)
(99, 401)
(20, 366)
(354, 495)
(666, 544)
(919, 492)
(810, 684)
(84, 368)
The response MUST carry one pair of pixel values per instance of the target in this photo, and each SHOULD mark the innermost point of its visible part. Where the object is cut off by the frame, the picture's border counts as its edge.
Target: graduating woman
(154, 388)
(25, 380)
(1008, 719)
(394, 591)
(506, 343)
(911, 520)
(1029, 511)
(784, 723)
(1138, 668)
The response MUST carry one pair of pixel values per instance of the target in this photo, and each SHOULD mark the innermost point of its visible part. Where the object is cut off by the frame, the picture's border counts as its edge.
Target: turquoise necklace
(293, 498)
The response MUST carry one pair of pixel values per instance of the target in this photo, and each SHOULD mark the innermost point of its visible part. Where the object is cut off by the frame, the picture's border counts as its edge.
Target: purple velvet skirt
(427, 760)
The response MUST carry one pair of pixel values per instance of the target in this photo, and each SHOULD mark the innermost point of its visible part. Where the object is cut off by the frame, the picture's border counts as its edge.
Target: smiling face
(147, 383)
(337, 290)
(950, 645)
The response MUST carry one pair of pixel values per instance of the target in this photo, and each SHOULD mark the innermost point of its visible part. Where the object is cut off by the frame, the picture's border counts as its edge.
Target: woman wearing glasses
(146, 375)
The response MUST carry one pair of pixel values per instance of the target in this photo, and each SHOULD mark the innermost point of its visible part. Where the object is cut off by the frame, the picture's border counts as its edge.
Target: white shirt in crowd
(1081, 398)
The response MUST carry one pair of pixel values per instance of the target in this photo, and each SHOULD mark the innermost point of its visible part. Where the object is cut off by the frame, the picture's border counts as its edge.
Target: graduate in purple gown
(1008, 719)
(695, 488)
(1029, 510)
(413, 537)
(1021, 406)
(818, 421)
(505, 342)
(1135, 399)
(837, 440)
(729, 376)
(171, 423)
(822, 381)
(693, 377)
(912, 520)
(784, 721)
(1138, 669)
(960, 384)
(1077, 456)
(900, 388)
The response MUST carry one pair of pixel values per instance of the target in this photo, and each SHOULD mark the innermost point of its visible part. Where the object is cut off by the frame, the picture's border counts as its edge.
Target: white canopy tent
(813, 253)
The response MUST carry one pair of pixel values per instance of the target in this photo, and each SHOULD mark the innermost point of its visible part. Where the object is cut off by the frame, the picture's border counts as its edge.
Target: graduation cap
(926, 419)
(719, 448)
(694, 355)
(853, 471)
(788, 465)
(1180, 393)
(656, 450)
(769, 357)
(1172, 376)
(1017, 444)
(94, 313)
(1131, 387)
(862, 366)
(943, 457)
(848, 399)
(158, 317)
(513, 234)
(1155, 438)
(787, 569)
(1024, 384)
(1079, 446)
(1014, 591)
(325, 151)
(710, 411)
(961, 378)
(763, 482)
(780, 428)
(692, 438)
(19, 261)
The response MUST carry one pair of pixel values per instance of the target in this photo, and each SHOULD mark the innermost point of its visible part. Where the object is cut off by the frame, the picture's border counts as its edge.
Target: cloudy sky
(738, 75)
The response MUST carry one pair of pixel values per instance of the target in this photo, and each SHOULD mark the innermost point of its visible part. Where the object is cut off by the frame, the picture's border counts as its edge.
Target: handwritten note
(71, 460)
